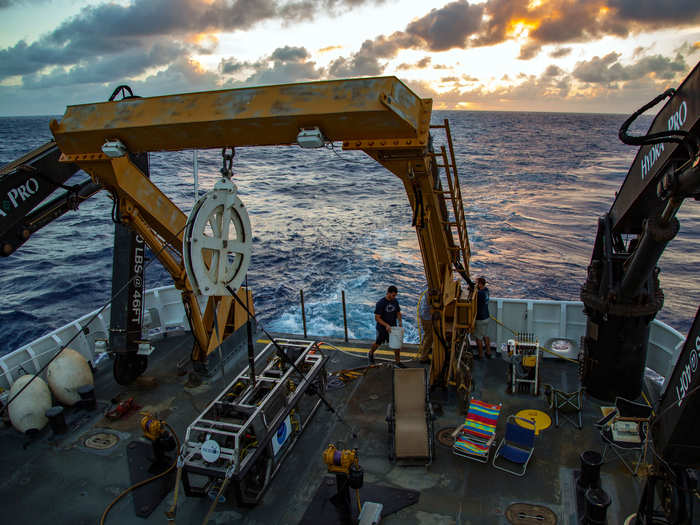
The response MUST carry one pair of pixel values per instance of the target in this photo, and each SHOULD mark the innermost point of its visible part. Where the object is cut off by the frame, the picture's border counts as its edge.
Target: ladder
(445, 161)
(446, 164)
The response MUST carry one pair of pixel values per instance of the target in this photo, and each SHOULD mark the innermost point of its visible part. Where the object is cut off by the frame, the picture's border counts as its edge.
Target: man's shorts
(481, 328)
(382, 336)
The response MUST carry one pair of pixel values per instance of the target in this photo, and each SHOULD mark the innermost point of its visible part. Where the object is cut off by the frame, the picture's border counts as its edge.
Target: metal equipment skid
(247, 431)
(524, 354)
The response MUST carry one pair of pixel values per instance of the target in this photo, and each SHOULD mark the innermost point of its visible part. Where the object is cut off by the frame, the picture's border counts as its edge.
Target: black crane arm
(622, 294)
(637, 198)
(671, 485)
(676, 427)
(25, 184)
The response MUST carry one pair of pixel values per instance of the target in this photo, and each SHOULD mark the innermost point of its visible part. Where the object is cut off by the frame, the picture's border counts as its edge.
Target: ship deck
(57, 479)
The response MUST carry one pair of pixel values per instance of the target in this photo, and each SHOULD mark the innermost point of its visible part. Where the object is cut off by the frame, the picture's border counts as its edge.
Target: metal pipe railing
(345, 314)
(345, 318)
(303, 312)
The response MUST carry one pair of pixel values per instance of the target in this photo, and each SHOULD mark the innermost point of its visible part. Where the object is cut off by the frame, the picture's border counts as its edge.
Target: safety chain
(227, 164)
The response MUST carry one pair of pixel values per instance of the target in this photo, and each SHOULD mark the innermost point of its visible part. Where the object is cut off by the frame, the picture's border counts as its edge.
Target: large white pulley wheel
(217, 241)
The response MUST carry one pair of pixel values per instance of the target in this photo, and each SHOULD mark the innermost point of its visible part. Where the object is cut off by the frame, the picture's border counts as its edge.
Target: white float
(27, 410)
(68, 372)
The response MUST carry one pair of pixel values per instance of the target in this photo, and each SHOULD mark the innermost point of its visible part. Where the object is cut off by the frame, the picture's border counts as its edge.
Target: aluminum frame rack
(249, 428)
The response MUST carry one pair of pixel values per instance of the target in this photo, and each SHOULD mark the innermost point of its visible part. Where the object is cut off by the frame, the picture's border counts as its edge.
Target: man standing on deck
(426, 321)
(481, 328)
(387, 312)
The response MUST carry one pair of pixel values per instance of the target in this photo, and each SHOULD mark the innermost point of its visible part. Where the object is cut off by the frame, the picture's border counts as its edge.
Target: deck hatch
(529, 514)
(101, 441)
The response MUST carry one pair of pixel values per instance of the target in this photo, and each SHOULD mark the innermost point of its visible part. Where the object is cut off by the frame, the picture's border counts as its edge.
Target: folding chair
(474, 438)
(564, 404)
(517, 446)
(410, 417)
(624, 432)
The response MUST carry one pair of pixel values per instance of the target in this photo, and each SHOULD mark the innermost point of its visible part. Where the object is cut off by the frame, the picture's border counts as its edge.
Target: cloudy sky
(538, 55)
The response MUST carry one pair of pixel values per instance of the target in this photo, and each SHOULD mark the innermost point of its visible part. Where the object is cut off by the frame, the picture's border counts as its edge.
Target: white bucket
(396, 337)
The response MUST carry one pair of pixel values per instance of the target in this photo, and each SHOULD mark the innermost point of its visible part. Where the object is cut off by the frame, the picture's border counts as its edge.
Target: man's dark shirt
(482, 304)
(388, 311)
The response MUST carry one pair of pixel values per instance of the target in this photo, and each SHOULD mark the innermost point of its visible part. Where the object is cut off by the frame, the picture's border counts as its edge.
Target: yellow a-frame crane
(380, 116)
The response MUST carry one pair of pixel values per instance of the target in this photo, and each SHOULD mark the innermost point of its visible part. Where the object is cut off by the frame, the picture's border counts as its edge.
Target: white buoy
(68, 372)
(27, 410)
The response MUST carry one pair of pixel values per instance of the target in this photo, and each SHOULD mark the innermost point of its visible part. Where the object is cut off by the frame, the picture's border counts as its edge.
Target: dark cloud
(421, 64)
(111, 28)
(285, 64)
(290, 54)
(107, 69)
(366, 61)
(529, 50)
(439, 30)
(657, 12)
(181, 76)
(560, 52)
(356, 66)
(553, 71)
(447, 80)
(230, 66)
(448, 26)
(607, 69)
(460, 24)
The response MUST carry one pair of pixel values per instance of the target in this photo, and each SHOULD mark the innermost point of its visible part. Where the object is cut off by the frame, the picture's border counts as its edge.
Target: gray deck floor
(61, 481)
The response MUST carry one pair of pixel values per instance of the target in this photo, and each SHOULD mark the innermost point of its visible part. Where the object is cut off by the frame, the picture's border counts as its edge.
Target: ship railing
(551, 321)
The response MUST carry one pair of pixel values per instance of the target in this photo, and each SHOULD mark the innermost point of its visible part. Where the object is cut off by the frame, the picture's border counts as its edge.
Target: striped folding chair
(474, 438)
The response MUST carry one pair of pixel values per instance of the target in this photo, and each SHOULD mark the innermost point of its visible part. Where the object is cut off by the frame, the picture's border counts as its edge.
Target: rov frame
(255, 423)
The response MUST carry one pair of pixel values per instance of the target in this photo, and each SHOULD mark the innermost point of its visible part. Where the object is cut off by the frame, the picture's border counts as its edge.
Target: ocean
(326, 221)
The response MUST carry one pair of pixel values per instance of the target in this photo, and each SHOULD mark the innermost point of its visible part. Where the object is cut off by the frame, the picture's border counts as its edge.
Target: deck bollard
(88, 401)
(345, 318)
(57, 421)
(597, 503)
(303, 313)
(590, 469)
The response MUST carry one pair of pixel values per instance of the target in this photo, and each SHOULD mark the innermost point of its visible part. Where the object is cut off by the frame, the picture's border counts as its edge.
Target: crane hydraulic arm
(379, 116)
(24, 186)
(674, 432)
(621, 294)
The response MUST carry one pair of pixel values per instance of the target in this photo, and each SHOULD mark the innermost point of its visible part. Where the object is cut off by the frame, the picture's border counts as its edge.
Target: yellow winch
(152, 427)
(340, 461)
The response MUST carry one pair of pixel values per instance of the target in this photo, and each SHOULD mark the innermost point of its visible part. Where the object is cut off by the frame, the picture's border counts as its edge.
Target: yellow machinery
(345, 464)
(379, 116)
(151, 426)
(340, 461)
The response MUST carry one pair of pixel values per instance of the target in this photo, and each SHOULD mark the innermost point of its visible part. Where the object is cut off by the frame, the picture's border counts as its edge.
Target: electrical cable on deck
(251, 347)
(144, 482)
(216, 500)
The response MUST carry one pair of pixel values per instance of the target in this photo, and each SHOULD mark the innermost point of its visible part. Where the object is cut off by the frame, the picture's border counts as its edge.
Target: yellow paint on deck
(542, 420)
(356, 350)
